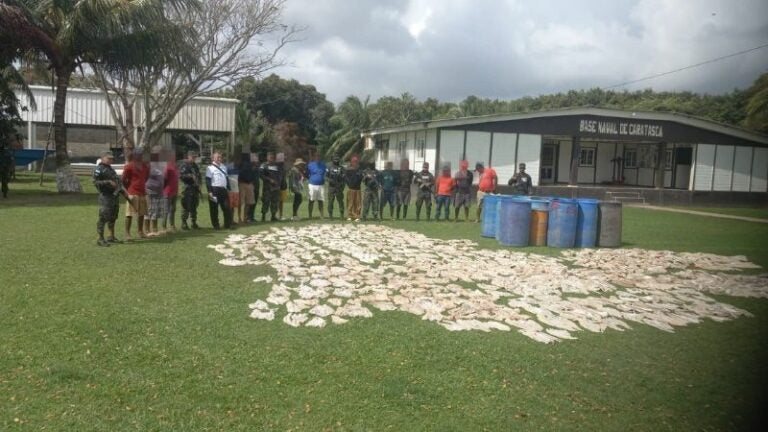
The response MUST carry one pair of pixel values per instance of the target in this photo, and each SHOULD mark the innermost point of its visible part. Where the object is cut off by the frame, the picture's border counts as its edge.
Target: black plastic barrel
(609, 224)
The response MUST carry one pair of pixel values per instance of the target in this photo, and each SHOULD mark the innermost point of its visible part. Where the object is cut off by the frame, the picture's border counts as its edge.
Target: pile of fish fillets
(333, 273)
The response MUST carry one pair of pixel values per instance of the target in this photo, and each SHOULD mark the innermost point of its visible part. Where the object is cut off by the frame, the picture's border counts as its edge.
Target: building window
(630, 158)
(401, 146)
(421, 144)
(668, 160)
(587, 157)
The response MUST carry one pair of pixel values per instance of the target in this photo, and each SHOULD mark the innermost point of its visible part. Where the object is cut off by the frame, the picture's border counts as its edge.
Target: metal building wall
(89, 108)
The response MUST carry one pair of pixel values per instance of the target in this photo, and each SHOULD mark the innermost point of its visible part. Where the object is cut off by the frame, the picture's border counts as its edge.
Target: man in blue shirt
(316, 171)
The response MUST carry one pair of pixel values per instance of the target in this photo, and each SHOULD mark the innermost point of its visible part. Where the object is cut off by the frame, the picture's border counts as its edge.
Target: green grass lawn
(155, 335)
(753, 212)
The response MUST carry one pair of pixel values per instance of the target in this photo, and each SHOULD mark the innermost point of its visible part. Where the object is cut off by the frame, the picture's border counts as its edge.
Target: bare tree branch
(230, 40)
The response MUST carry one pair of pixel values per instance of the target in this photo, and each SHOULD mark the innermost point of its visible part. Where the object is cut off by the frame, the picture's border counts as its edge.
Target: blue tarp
(27, 156)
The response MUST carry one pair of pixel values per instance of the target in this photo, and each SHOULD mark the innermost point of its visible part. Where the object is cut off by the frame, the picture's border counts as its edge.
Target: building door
(548, 163)
(683, 159)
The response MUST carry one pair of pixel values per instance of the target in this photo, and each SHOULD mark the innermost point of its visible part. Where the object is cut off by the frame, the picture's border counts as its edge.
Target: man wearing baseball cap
(521, 182)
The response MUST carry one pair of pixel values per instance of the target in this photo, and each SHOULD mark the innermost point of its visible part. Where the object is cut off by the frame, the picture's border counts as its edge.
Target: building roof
(562, 120)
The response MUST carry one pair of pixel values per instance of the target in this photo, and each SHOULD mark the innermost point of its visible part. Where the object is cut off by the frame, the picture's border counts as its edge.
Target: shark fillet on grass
(333, 273)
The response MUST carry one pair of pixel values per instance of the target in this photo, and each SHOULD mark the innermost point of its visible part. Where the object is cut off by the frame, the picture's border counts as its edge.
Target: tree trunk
(66, 181)
(127, 129)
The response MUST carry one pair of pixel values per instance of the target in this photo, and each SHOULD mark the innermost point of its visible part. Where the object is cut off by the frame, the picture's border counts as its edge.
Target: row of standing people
(151, 190)
(392, 188)
(368, 191)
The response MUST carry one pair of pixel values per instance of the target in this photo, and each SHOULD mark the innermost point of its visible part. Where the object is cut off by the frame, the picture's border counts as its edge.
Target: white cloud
(450, 49)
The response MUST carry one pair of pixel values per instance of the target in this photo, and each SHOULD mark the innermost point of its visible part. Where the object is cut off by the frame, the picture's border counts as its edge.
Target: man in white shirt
(217, 181)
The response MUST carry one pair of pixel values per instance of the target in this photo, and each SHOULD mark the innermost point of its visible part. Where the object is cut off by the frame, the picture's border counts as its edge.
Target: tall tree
(70, 33)
(281, 100)
(227, 40)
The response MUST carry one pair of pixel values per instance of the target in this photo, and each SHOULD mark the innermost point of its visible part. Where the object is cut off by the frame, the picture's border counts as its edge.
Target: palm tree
(69, 33)
(352, 117)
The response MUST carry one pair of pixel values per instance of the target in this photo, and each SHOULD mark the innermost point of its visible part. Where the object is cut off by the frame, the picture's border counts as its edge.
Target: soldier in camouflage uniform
(190, 197)
(272, 179)
(372, 182)
(109, 186)
(425, 182)
(521, 181)
(403, 198)
(335, 176)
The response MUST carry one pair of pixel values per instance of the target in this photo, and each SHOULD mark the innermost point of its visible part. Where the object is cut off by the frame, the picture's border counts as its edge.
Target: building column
(573, 179)
(661, 165)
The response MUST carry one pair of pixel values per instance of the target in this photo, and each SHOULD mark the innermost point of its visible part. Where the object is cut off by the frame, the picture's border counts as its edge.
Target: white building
(91, 130)
(588, 148)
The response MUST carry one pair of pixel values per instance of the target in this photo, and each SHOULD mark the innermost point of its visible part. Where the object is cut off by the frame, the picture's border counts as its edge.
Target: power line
(687, 67)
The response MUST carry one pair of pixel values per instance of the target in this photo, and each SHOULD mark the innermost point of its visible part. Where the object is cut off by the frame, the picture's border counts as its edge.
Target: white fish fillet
(462, 287)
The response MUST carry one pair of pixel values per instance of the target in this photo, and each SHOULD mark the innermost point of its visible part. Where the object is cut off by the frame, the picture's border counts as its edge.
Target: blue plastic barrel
(513, 221)
(490, 205)
(561, 226)
(586, 226)
(497, 221)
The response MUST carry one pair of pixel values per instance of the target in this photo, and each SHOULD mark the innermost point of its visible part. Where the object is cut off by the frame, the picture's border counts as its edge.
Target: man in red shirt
(487, 184)
(171, 190)
(135, 177)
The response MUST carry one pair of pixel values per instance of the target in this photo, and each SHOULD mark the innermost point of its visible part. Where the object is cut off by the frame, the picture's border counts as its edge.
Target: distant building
(91, 130)
(596, 152)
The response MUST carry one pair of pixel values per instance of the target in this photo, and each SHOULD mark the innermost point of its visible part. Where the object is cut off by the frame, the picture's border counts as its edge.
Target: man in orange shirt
(487, 184)
(445, 185)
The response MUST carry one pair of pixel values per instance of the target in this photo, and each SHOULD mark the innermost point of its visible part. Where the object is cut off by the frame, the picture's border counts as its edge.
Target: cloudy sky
(450, 49)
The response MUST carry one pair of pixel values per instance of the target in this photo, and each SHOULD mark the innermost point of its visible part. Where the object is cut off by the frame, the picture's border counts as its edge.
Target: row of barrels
(516, 220)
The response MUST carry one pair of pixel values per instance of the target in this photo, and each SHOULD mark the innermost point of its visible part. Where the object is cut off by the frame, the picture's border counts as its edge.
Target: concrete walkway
(698, 213)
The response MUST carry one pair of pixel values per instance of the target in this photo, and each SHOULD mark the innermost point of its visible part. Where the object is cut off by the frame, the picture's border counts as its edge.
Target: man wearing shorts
(135, 177)
(316, 172)
(463, 193)
(487, 184)
(156, 203)
(403, 197)
(245, 188)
